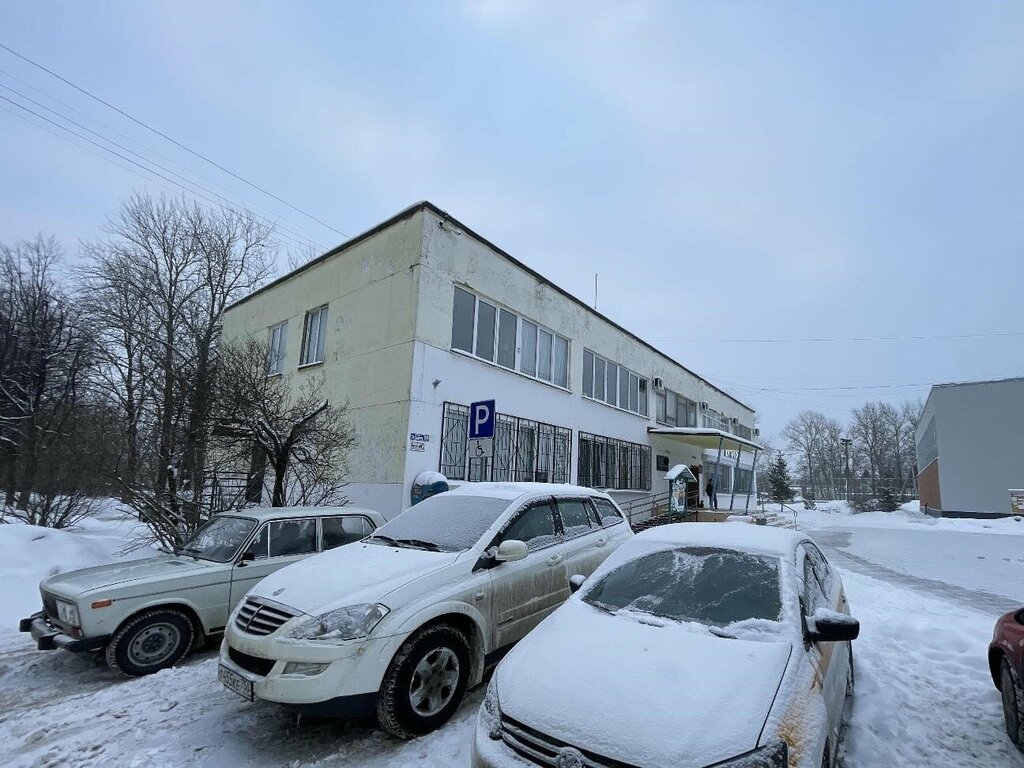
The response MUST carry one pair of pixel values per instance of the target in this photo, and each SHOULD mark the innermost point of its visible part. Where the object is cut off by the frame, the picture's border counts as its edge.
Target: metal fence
(859, 489)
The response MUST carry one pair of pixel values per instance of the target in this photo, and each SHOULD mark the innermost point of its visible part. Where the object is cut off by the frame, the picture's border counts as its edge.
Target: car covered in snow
(401, 624)
(695, 644)
(146, 614)
(1006, 662)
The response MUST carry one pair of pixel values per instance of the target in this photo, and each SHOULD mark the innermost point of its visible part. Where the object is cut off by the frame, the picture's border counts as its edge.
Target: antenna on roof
(595, 290)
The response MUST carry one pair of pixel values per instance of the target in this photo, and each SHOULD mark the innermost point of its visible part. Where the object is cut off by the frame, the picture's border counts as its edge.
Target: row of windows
(543, 523)
(499, 336)
(675, 410)
(314, 340)
(728, 477)
(614, 384)
(527, 450)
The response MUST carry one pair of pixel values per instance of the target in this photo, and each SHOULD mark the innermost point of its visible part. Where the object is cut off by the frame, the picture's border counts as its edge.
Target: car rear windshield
(445, 523)
(709, 585)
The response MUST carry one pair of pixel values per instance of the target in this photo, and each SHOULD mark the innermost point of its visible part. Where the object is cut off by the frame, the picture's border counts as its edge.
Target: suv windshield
(708, 585)
(442, 523)
(220, 539)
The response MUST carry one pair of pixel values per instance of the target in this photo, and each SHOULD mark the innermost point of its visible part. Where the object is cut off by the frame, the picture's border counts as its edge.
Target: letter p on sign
(481, 419)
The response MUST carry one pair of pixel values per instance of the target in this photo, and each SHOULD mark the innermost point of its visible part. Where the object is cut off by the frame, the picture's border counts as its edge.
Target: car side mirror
(511, 550)
(825, 626)
(247, 557)
(576, 581)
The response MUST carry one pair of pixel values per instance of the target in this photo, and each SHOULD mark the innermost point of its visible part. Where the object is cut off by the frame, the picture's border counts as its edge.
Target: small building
(419, 317)
(969, 447)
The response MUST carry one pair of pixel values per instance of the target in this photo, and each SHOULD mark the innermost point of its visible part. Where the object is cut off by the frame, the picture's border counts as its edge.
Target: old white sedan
(696, 644)
(149, 613)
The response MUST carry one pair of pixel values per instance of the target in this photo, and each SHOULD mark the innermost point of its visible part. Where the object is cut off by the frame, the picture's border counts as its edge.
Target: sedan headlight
(773, 756)
(67, 613)
(490, 711)
(349, 623)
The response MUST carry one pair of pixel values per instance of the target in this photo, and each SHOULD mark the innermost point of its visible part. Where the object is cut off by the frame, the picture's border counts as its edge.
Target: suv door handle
(554, 560)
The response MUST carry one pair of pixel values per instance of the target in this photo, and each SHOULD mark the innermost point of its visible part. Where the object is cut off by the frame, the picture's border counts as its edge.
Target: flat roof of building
(427, 205)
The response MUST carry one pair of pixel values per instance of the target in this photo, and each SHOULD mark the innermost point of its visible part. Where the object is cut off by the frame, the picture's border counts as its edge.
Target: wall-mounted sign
(417, 447)
(481, 419)
(482, 448)
(417, 437)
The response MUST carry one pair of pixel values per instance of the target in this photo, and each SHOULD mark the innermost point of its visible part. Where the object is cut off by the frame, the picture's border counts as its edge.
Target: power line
(300, 236)
(139, 165)
(172, 140)
(302, 231)
(822, 340)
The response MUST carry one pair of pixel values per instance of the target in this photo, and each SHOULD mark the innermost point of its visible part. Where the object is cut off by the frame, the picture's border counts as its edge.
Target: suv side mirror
(576, 581)
(511, 550)
(824, 626)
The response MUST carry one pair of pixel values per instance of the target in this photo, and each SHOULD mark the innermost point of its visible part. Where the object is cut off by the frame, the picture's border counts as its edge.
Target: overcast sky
(733, 171)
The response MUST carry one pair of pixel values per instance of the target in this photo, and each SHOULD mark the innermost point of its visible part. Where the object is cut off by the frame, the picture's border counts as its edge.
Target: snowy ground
(926, 600)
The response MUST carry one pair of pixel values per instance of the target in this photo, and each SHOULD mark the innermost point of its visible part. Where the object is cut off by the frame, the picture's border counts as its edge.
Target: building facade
(969, 447)
(412, 321)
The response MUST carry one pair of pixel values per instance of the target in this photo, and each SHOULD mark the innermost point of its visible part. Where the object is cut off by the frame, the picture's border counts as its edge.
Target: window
(614, 384)
(292, 537)
(314, 335)
(500, 336)
(485, 325)
(338, 531)
(507, 339)
(524, 450)
(575, 515)
(606, 462)
(278, 347)
(723, 481)
(607, 512)
(463, 312)
(674, 410)
(535, 526)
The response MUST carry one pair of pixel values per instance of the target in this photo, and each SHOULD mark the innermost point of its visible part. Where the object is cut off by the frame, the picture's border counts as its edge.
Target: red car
(1006, 661)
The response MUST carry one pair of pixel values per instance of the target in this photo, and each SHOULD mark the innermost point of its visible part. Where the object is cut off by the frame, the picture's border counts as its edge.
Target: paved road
(978, 571)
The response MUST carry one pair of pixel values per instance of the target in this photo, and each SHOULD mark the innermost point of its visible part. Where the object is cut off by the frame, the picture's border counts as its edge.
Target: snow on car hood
(150, 569)
(646, 695)
(354, 573)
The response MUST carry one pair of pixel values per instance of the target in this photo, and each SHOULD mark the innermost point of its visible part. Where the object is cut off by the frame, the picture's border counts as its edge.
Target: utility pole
(846, 462)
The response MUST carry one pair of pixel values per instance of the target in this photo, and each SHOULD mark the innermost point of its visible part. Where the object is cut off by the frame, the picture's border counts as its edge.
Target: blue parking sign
(481, 420)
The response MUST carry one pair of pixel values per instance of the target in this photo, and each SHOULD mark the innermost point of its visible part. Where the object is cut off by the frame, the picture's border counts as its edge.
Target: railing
(711, 421)
(645, 507)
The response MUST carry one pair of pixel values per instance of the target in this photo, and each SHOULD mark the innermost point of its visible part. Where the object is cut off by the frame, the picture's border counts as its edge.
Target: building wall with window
(452, 367)
(968, 446)
(365, 343)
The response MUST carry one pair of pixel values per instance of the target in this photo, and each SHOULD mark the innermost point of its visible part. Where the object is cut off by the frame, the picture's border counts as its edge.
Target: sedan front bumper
(49, 637)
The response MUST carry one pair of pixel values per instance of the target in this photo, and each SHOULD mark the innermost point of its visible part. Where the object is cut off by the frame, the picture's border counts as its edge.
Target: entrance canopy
(707, 438)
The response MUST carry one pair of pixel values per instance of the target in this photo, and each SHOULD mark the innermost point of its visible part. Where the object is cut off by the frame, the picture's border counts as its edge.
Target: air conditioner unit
(659, 383)
(757, 432)
(703, 405)
(734, 420)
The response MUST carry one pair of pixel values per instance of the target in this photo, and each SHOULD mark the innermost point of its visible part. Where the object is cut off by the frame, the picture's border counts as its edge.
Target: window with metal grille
(607, 462)
(524, 450)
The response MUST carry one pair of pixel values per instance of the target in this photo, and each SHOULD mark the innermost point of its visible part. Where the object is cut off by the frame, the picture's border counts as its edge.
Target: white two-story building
(415, 319)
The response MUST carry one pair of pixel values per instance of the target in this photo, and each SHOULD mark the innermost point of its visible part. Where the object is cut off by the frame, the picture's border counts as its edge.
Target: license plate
(235, 683)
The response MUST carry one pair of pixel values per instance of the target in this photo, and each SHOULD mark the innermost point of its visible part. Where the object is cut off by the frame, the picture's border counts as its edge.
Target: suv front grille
(541, 749)
(249, 663)
(259, 618)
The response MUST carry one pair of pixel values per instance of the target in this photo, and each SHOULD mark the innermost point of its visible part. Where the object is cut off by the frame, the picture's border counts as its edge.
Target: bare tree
(872, 438)
(164, 275)
(299, 435)
(803, 433)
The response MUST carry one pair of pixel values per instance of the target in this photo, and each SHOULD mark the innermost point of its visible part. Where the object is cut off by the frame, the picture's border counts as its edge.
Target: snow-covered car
(149, 613)
(695, 644)
(403, 623)
(1006, 662)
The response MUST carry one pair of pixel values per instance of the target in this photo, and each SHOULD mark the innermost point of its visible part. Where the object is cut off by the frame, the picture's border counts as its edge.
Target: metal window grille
(524, 450)
(607, 462)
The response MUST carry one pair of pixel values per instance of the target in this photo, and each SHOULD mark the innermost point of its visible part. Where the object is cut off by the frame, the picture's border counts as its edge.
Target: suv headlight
(67, 613)
(490, 711)
(773, 756)
(349, 623)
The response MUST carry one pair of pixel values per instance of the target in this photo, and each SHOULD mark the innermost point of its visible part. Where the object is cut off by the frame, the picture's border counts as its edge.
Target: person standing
(710, 489)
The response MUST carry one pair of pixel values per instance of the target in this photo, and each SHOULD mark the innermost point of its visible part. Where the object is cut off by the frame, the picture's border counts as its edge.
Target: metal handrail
(637, 507)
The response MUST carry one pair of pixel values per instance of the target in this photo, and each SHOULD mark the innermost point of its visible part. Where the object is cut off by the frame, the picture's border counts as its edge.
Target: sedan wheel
(150, 642)
(1013, 703)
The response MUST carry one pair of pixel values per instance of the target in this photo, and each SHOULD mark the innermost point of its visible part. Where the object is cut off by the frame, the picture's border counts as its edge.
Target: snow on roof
(513, 491)
(760, 538)
(706, 437)
(277, 513)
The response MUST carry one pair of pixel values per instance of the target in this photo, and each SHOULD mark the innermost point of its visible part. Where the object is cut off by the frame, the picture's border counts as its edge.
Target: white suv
(403, 622)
